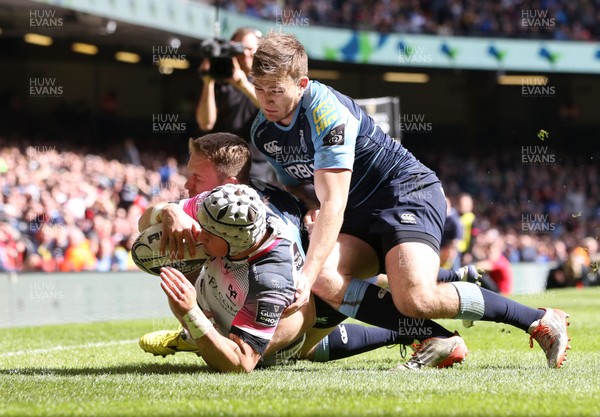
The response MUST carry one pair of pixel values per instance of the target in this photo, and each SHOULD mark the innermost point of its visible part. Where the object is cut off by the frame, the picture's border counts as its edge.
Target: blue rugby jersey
(285, 205)
(330, 131)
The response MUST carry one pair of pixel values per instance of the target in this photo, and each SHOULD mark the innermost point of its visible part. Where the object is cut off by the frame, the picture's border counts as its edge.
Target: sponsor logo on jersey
(408, 218)
(272, 147)
(217, 295)
(276, 284)
(268, 314)
(232, 292)
(335, 136)
(298, 258)
(324, 115)
(300, 171)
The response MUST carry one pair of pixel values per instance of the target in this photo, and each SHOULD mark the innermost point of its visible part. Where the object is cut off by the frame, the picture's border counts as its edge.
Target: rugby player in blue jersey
(380, 209)
(224, 158)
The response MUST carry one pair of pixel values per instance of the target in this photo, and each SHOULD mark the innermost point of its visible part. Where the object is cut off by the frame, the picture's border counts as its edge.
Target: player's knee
(416, 304)
(309, 316)
(329, 289)
(331, 299)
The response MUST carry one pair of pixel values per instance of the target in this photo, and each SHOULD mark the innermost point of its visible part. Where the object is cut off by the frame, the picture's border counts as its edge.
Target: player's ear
(231, 180)
(303, 83)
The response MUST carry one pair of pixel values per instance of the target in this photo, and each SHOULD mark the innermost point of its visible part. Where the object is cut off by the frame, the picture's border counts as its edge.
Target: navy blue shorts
(408, 209)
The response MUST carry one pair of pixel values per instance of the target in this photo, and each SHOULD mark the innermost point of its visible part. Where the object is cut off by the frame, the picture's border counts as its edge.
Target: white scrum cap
(235, 213)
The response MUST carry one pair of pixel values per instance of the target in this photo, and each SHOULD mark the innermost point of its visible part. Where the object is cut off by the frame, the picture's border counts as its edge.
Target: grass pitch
(97, 369)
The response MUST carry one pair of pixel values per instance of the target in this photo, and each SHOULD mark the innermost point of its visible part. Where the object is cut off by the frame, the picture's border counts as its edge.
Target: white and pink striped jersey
(247, 297)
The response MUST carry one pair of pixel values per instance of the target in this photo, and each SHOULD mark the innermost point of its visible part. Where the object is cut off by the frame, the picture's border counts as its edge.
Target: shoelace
(416, 347)
(542, 332)
(402, 350)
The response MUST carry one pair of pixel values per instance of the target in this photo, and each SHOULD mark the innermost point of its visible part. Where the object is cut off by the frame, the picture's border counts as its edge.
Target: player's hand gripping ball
(147, 256)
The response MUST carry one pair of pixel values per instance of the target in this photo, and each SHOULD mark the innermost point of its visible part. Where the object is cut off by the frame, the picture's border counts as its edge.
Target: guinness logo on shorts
(267, 314)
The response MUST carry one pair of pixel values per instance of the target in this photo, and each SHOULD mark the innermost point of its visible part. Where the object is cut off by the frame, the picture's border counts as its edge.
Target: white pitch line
(72, 347)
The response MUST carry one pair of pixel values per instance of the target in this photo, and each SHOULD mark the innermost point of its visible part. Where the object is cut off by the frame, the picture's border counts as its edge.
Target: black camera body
(220, 53)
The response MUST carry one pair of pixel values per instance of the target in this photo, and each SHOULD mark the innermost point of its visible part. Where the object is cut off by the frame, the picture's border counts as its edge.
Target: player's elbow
(144, 221)
(205, 125)
(236, 364)
(241, 368)
(246, 369)
(334, 206)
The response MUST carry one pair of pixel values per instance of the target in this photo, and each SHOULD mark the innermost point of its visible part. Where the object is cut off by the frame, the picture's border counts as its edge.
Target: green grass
(46, 371)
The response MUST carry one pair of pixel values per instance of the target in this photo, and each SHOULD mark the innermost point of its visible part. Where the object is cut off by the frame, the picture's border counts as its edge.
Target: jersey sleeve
(190, 205)
(271, 291)
(334, 129)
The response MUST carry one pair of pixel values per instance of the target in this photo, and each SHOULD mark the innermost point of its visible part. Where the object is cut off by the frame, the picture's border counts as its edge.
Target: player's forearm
(225, 355)
(206, 112)
(322, 240)
(146, 218)
(306, 193)
(219, 352)
(154, 214)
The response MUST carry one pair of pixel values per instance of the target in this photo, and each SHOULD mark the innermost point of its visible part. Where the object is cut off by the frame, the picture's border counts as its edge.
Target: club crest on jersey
(335, 136)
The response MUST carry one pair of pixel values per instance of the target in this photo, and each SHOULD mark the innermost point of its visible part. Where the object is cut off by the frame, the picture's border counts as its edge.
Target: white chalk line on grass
(63, 348)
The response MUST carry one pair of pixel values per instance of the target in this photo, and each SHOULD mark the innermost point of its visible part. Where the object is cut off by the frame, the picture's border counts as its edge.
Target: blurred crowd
(548, 19)
(63, 210)
(69, 211)
(529, 213)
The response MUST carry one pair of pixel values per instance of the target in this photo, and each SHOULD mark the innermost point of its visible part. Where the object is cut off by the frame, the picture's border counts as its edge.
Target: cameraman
(230, 104)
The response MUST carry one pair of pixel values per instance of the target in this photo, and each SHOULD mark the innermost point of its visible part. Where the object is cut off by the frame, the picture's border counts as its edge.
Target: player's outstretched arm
(332, 187)
(219, 352)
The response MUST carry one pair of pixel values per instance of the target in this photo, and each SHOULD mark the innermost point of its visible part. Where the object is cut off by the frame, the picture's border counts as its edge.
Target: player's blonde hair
(229, 153)
(279, 55)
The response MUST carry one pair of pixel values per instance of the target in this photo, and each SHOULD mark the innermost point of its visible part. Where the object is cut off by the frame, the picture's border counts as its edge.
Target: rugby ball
(147, 256)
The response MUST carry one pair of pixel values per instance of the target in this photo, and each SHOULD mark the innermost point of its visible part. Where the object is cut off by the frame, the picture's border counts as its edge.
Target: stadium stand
(72, 183)
(571, 19)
